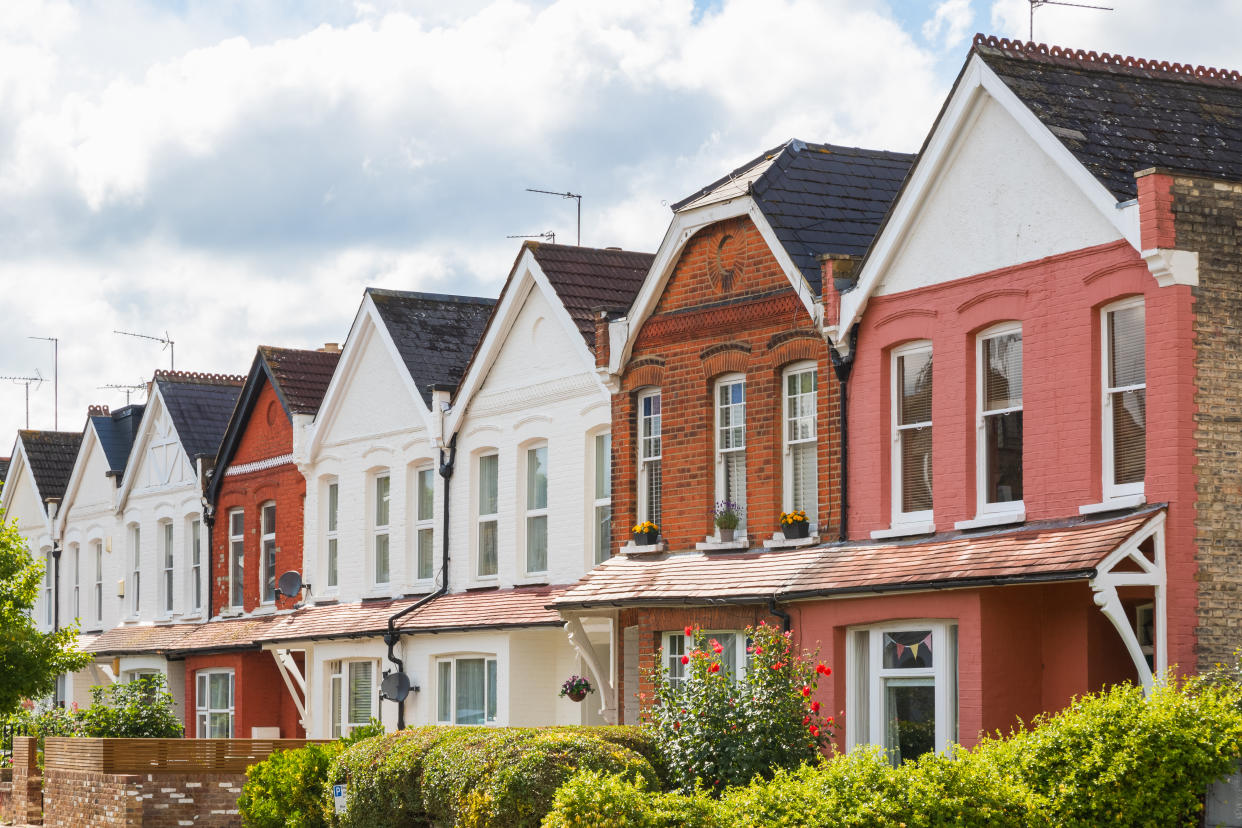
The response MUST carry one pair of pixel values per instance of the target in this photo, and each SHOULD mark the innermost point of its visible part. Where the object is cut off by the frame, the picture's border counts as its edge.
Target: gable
(1000, 201)
(267, 431)
(23, 506)
(92, 487)
(160, 461)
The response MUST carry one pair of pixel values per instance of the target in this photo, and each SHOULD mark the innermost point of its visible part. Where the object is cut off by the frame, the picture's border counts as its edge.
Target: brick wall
(26, 794)
(727, 307)
(260, 697)
(1207, 215)
(76, 798)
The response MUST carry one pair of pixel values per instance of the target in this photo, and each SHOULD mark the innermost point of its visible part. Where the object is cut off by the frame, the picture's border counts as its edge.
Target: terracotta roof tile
(301, 376)
(586, 278)
(228, 634)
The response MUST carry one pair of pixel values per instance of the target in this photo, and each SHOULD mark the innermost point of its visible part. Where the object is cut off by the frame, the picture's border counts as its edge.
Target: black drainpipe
(786, 622)
(393, 635)
(209, 518)
(842, 366)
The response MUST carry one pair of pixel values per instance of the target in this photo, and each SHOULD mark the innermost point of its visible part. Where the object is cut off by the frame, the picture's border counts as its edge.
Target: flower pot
(726, 535)
(577, 695)
(797, 530)
(646, 538)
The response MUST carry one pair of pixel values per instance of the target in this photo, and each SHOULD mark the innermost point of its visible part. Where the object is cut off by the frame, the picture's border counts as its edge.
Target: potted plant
(794, 525)
(646, 534)
(577, 687)
(726, 516)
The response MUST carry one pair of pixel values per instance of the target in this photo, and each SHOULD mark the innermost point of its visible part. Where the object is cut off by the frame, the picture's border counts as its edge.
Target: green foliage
(288, 788)
(32, 660)
(608, 801)
(142, 708)
(718, 730)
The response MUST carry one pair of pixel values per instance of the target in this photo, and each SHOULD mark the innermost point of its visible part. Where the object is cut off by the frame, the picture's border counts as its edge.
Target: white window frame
(97, 548)
(194, 540)
(332, 515)
(721, 494)
(491, 687)
(202, 703)
(237, 543)
(865, 721)
(646, 459)
(135, 575)
(77, 581)
(1112, 490)
(482, 518)
(675, 645)
(532, 511)
(341, 675)
(1017, 508)
(381, 532)
(168, 579)
(787, 444)
(424, 523)
(600, 537)
(922, 517)
(267, 562)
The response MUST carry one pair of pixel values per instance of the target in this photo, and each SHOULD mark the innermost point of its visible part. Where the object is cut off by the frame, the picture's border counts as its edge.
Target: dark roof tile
(301, 377)
(51, 455)
(200, 406)
(586, 278)
(117, 431)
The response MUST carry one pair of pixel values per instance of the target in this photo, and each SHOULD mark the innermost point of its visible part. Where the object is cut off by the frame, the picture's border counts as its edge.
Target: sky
(231, 173)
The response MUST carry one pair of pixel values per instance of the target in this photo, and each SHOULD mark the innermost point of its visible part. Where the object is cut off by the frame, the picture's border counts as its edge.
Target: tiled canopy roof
(818, 198)
(587, 277)
(301, 377)
(117, 431)
(1048, 551)
(435, 334)
(1119, 114)
(51, 455)
(200, 406)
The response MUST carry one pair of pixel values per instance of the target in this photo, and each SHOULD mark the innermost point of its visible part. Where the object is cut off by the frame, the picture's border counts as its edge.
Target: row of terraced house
(1000, 377)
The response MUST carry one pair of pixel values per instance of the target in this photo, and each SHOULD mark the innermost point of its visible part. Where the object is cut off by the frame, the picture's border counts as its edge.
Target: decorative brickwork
(26, 795)
(76, 798)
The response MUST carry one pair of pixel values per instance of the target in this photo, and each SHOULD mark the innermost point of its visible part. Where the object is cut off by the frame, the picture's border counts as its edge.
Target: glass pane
(800, 406)
(675, 650)
(470, 691)
(603, 466)
(908, 649)
(236, 523)
(654, 485)
(1002, 365)
(336, 707)
(218, 690)
(1126, 347)
(269, 519)
(333, 505)
(196, 543)
(381, 501)
(381, 559)
(491, 690)
(537, 478)
(1129, 436)
(168, 590)
(221, 726)
(916, 469)
(487, 548)
(269, 570)
(426, 494)
(803, 472)
(735, 481)
(651, 417)
(488, 470)
(238, 574)
(200, 726)
(359, 692)
(332, 562)
(732, 415)
(728, 658)
(1003, 446)
(537, 543)
(168, 545)
(914, 387)
(426, 550)
(910, 718)
(444, 707)
(603, 533)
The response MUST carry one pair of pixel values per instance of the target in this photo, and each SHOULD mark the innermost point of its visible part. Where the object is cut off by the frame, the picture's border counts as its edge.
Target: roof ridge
(1108, 61)
(439, 297)
(200, 378)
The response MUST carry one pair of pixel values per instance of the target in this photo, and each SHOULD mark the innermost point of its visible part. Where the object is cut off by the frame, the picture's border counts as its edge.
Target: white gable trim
(367, 323)
(155, 408)
(525, 277)
(19, 469)
(683, 227)
(89, 440)
(960, 111)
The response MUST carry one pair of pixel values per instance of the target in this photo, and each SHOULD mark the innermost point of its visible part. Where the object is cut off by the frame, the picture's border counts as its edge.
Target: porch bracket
(289, 671)
(582, 644)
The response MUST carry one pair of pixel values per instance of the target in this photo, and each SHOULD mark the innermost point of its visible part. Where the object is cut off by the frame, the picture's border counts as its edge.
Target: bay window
(912, 433)
(237, 557)
(650, 453)
(466, 690)
(998, 391)
(488, 513)
(379, 530)
(731, 444)
(537, 509)
(267, 551)
(801, 443)
(214, 704)
(602, 500)
(1124, 398)
(424, 527)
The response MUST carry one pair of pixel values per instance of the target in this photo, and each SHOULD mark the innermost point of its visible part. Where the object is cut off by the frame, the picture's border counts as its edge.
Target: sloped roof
(1119, 115)
(818, 198)
(51, 455)
(585, 278)
(1043, 551)
(4, 468)
(435, 333)
(200, 406)
(301, 377)
(117, 431)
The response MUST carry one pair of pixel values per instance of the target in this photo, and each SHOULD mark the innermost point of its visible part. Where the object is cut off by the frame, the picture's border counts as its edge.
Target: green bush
(288, 788)
(609, 801)
(142, 708)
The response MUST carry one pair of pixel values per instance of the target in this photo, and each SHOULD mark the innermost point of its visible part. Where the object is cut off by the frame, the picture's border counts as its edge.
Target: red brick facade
(260, 697)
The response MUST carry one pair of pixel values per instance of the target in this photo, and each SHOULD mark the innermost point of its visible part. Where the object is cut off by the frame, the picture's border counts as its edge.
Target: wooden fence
(130, 756)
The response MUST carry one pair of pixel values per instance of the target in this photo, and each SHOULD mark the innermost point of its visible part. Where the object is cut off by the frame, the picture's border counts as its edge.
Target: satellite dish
(395, 687)
(290, 584)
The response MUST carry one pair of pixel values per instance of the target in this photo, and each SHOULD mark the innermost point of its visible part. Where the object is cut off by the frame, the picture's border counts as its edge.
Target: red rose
(685, 659)
(806, 720)
(715, 668)
(814, 707)
(806, 691)
(676, 725)
(689, 632)
(814, 730)
(824, 670)
(716, 648)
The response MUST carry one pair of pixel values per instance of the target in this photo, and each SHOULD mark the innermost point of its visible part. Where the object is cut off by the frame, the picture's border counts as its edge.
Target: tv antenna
(27, 381)
(55, 380)
(549, 235)
(168, 343)
(1035, 4)
(565, 195)
(128, 389)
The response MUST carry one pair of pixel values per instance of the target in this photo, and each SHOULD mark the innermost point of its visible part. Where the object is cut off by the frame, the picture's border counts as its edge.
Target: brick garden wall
(77, 798)
(25, 803)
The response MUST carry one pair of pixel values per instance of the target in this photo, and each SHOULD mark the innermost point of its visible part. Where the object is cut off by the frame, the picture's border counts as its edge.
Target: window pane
(238, 575)
(488, 470)
(1002, 378)
(914, 387)
(650, 427)
(332, 562)
(168, 545)
(909, 649)
(491, 690)
(1003, 446)
(426, 494)
(218, 690)
(603, 466)
(537, 543)
(1126, 347)
(470, 691)
(603, 533)
(381, 559)
(426, 551)
(910, 718)
(735, 480)
(444, 708)
(732, 416)
(381, 501)
(269, 570)
(333, 504)
(675, 650)
(236, 523)
(221, 726)
(800, 406)
(803, 471)
(654, 485)
(537, 478)
(1129, 436)
(359, 692)
(336, 707)
(487, 548)
(916, 469)
(269, 519)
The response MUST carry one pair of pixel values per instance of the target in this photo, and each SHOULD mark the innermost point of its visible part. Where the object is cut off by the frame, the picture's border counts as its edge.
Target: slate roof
(117, 431)
(435, 333)
(1047, 551)
(300, 377)
(200, 406)
(51, 455)
(4, 468)
(1120, 114)
(588, 277)
(818, 198)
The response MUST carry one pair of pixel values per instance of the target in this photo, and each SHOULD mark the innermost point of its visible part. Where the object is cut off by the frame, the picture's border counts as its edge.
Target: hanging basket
(577, 695)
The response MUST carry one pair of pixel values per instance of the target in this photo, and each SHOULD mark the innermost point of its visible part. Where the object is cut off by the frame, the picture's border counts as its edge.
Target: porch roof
(164, 639)
(1069, 549)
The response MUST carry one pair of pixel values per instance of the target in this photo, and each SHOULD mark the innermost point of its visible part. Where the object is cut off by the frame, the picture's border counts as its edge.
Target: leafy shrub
(142, 708)
(609, 801)
(718, 730)
(288, 788)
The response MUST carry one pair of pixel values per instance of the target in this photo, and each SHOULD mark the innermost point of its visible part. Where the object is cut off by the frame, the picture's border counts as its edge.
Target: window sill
(376, 595)
(130, 619)
(710, 545)
(193, 616)
(632, 548)
(779, 541)
(905, 529)
(231, 612)
(995, 519)
(324, 599)
(1112, 504)
(264, 609)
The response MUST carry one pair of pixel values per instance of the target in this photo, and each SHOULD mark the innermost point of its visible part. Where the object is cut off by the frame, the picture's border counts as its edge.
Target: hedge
(1110, 758)
(288, 788)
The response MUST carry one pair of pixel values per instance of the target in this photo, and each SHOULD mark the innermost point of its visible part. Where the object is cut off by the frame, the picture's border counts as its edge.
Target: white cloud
(950, 24)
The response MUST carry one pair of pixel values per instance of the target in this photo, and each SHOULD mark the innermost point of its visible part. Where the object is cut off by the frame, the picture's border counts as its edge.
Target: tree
(30, 660)
(142, 708)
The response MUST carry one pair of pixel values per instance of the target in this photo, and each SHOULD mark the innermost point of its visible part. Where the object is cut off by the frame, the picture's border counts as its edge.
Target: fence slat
(135, 756)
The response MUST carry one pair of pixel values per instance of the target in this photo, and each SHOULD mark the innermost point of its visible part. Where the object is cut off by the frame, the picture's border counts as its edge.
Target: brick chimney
(837, 274)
